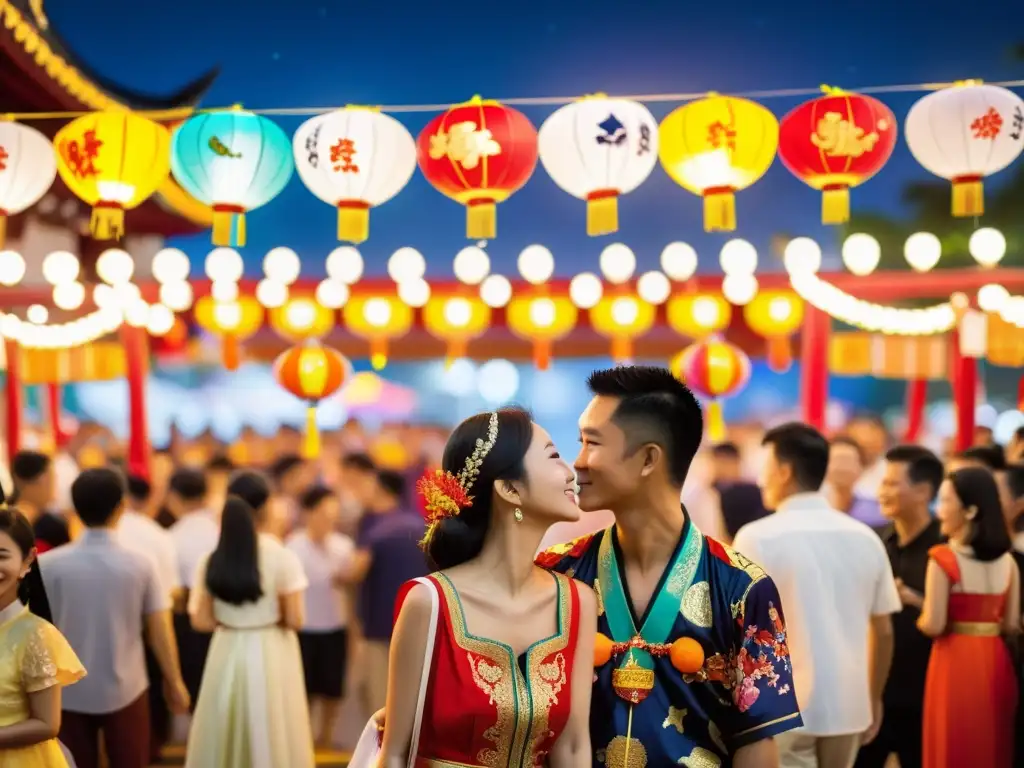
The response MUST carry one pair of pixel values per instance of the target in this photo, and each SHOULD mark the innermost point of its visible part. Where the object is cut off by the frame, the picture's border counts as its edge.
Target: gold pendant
(615, 756)
(632, 682)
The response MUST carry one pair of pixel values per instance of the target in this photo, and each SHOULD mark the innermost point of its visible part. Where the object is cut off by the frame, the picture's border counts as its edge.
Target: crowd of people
(820, 601)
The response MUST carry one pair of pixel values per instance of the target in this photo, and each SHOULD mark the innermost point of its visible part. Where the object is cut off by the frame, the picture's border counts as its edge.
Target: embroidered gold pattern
(35, 657)
(701, 758)
(615, 753)
(682, 573)
(675, 718)
(749, 567)
(696, 605)
(547, 678)
(597, 594)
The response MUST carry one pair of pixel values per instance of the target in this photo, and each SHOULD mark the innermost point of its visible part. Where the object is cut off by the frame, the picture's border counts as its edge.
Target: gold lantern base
(602, 212)
(968, 196)
(835, 204)
(481, 220)
(353, 221)
(228, 225)
(107, 221)
(3, 228)
(719, 209)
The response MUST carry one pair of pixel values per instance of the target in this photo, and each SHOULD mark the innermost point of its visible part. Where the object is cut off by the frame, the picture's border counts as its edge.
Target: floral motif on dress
(550, 558)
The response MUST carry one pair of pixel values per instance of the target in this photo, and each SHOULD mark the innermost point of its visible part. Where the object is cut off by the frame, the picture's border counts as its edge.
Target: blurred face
(296, 479)
(360, 485)
(870, 437)
(13, 568)
(1015, 449)
(775, 480)
(321, 520)
(953, 516)
(895, 493)
(549, 493)
(40, 492)
(606, 475)
(724, 468)
(844, 466)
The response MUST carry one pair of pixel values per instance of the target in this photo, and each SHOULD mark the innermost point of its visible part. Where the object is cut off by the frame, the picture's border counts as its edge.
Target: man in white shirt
(834, 578)
(325, 555)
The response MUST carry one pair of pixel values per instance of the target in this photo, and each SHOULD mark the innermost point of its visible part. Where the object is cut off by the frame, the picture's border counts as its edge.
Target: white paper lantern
(964, 134)
(354, 158)
(28, 166)
(597, 149)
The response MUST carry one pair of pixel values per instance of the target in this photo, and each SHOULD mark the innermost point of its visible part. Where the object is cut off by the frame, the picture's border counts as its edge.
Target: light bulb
(160, 321)
(414, 293)
(282, 265)
(585, 290)
(706, 312)
(802, 255)
(922, 251)
(458, 312)
(377, 312)
(345, 264)
(617, 263)
(861, 254)
(300, 314)
(271, 294)
(471, 265)
(406, 264)
(625, 311)
(37, 314)
(738, 257)
(115, 266)
(679, 261)
(495, 291)
(60, 267)
(171, 266)
(68, 296)
(224, 264)
(992, 297)
(987, 245)
(177, 296)
(223, 290)
(739, 288)
(542, 313)
(332, 294)
(653, 287)
(536, 264)
(12, 268)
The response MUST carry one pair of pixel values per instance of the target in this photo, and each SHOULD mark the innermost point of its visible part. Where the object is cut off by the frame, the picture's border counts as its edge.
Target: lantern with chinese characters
(311, 372)
(113, 161)
(776, 316)
(456, 320)
(541, 320)
(713, 369)
(622, 319)
(234, 161)
(597, 149)
(233, 321)
(835, 142)
(964, 134)
(378, 319)
(27, 169)
(478, 154)
(354, 158)
(715, 147)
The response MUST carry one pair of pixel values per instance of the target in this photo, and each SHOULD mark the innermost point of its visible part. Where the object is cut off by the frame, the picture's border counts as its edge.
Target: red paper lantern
(835, 142)
(713, 369)
(478, 154)
(311, 372)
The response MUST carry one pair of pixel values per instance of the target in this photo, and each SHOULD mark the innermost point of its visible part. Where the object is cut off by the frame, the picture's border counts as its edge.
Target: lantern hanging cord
(539, 101)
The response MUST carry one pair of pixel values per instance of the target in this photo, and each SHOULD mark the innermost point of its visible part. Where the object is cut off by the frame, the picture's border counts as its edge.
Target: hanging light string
(538, 101)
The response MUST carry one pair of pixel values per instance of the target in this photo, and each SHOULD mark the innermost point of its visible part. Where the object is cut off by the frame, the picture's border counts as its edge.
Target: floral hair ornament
(445, 494)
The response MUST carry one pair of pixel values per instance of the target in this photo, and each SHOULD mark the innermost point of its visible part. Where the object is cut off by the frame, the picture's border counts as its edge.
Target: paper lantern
(597, 149)
(622, 319)
(834, 143)
(715, 147)
(541, 320)
(113, 161)
(964, 134)
(301, 318)
(233, 161)
(354, 158)
(478, 154)
(698, 315)
(456, 320)
(27, 170)
(713, 369)
(776, 316)
(311, 372)
(233, 321)
(378, 319)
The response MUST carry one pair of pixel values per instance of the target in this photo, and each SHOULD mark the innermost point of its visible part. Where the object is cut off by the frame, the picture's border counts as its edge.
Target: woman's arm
(1011, 616)
(293, 611)
(572, 750)
(932, 621)
(43, 722)
(201, 613)
(408, 645)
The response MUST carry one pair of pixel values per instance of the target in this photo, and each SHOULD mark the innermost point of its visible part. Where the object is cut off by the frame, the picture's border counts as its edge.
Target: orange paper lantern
(713, 369)
(541, 320)
(311, 372)
(456, 320)
(234, 321)
(776, 315)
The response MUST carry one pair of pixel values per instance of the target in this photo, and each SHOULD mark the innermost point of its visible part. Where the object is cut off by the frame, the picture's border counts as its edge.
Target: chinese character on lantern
(341, 155)
(464, 144)
(80, 156)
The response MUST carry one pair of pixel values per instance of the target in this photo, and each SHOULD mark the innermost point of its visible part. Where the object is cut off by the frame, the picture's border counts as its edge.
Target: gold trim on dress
(976, 628)
(426, 762)
(547, 679)
(696, 606)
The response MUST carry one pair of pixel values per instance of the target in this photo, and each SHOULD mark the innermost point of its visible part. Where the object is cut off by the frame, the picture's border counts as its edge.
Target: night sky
(315, 53)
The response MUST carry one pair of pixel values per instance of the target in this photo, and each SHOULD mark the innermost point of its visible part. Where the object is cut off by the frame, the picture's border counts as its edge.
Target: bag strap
(428, 657)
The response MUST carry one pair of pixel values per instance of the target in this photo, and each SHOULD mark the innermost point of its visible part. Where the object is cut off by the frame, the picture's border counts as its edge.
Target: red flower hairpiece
(443, 494)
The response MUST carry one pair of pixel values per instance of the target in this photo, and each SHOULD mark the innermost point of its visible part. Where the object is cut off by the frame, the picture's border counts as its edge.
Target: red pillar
(136, 350)
(54, 392)
(814, 339)
(917, 398)
(965, 392)
(14, 397)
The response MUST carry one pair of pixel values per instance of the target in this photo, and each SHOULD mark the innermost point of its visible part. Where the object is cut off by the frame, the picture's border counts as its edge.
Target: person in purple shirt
(388, 555)
(845, 466)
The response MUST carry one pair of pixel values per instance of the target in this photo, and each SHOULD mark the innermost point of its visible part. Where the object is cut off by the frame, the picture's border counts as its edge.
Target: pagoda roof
(40, 74)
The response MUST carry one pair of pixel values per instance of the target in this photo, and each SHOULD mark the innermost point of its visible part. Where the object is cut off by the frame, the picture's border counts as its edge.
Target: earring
(518, 515)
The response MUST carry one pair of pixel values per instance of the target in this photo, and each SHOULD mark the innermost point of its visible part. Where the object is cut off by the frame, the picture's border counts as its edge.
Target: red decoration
(443, 494)
(478, 154)
(311, 372)
(836, 142)
(713, 368)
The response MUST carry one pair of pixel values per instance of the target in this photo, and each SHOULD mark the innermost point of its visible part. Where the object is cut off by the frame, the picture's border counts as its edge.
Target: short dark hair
(233, 570)
(990, 456)
(251, 487)
(1018, 433)
(654, 407)
(726, 450)
(96, 495)
(313, 496)
(220, 463)
(1015, 480)
(189, 483)
(976, 487)
(923, 466)
(284, 465)
(851, 443)
(139, 488)
(27, 466)
(804, 449)
(392, 482)
(358, 461)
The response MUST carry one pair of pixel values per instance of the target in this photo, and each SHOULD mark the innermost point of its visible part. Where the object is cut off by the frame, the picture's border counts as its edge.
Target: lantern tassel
(542, 354)
(456, 348)
(780, 356)
(229, 352)
(602, 212)
(311, 440)
(228, 225)
(3, 228)
(107, 221)
(715, 421)
(622, 350)
(353, 221)
(968, 196)
(378, 353)
(719, 209)
(835, 204)
(481, 220)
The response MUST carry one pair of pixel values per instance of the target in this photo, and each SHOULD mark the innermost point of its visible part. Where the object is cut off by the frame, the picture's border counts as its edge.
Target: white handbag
(367, 751)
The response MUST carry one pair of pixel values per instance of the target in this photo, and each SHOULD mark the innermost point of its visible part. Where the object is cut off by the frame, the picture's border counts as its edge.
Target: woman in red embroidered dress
(972, 600)
(512, 665)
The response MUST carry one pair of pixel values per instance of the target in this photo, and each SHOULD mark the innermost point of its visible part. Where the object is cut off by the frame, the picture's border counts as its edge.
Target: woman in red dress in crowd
(971, 602)
(510, 677)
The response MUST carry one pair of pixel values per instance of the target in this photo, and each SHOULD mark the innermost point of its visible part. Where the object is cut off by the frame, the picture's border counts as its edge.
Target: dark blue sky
(319, 53)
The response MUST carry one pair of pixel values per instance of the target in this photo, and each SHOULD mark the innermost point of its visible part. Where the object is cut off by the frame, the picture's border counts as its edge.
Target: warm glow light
(225, 291)
(300, 314)
(585, 290)
(993, 297)
(739, 288)
(161, 320)
(988, 246)
(625, 311)
(922, 251)
(780, 309)
(738, 257)
(68, 296)
(706, 312)
(653, 287)
(104, 296)
(536, 264)
(271, 294)
(861, 254)
(802, 255)
(60, 267)
(136, 314)
(282, 265)
(332, 294)
(115, 266)
(37, 314)
(458, 312)
(495, 291)
(176, 295)
(471, 265)
(171, 266)
(414, 293)
(224, 264)
(377, 312)
(227, 316)
(406, 264)
(344, 264)
(542, 312)
(679, 261)
(617, 263)
(12, 268)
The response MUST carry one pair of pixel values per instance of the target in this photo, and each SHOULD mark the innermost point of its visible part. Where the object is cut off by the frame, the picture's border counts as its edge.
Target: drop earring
(518, 515)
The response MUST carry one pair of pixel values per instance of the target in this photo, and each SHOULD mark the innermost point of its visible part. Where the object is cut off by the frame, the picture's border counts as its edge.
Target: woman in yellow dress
(35, 659)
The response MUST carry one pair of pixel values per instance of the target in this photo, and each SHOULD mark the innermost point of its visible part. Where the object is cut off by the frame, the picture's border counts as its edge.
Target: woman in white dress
(252, 710)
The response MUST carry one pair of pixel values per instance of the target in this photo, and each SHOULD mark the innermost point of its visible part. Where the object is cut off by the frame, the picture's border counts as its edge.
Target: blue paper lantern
(233, 161)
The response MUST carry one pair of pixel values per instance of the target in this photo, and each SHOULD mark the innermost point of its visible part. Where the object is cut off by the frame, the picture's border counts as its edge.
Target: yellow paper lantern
(456, 320)
(715, 147)
(541, 320)
(233, 321)
(301, 318)
(622, 319)
(776, 316)
(377, 319)
(698, 315)
(113, 161)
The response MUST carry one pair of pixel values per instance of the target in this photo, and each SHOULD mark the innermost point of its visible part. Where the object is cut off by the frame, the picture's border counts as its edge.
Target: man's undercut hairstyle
(654, 407)
(804, 449)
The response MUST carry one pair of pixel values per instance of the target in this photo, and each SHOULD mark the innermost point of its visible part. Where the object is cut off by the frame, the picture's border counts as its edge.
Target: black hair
(851, 443)
(233, 570)
(740, 503)
(251, 487)
(312, 497)
(1018, 433)
(393, 482)
(976, 487)
(1015, 480)
(284, 465)
(459, 538)
(804, 449)
(220, 463)
(989, 456)
(30, 591)
(189, 483)
(654, 407)
(139, 488)
(358, 461)
(96, 495)
(726, 450)
(27, 466)
(923, 466)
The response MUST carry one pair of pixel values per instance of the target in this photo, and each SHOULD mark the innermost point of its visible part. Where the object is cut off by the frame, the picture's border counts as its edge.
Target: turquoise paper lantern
(233, 161)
